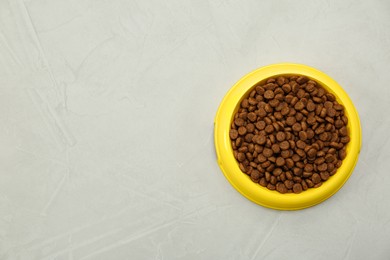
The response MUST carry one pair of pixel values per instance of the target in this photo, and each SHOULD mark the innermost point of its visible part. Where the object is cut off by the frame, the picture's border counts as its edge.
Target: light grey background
(106, 134)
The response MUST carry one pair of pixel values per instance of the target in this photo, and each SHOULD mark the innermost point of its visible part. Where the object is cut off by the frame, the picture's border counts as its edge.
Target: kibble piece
(343, 131)
(241, 157)
(233, 134)
(255, 175)
(302, 80)
(280, 161)
(281, 188)
(242, 130)
(276, 172)
(324, 176)
(297, 127)
(297, 188)
(312, 152)
(303, 136)
(239, 122)
(299, 105)
(250, 128)
(284, 145)
(260, 125)
(322, 167)
(316, 178)
(344, 139)
(280, 136)
(301, 144)
(269, 94)
(269, 129)
(290, 120)
(267, 152)
(252, 116)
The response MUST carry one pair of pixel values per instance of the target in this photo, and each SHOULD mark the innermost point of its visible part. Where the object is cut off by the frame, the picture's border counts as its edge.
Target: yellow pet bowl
(242, 182)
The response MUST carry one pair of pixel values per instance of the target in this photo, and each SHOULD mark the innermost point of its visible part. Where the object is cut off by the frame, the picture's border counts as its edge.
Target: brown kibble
(260, 90)
(297, 188)
(260, 125)
(270, 186)
(277, 171)
(295, 157)
(343, 131)
(289, 175)
(280, 80)
(241, 157)
(301, 144)
(344, 139)
(261, 158)
(252, 116)
(342, 154)
(322, 167)
(301, 153)
(301, 93)
(242, 130)
(261, 112)
(284, 145)
(280, 136)
(248, 138)
(245, 103)
(281, 188)
(286, 88)
(268, 108)
(294, 86)
(331, 112)
(330, 97)
(289, 135)
(239, 142)
(274, 102)
(289, 163)
(299, 105)
(290, 120)
(304, 185)
(312, 153)
(255, 175)
(303, 135)
(239, 122)
(289, 184)
(316, 178)
(242, 167)
(267, 152)
(311, 120)
(338, 107)
(328, 104)
(233, 133)
(324, 175)
(297, 127)
(269, 94)
(259, 139)
(302, 80)
(250, 128)
(275, 148)
(269, 129)
(310, 184)
(285, 111)
(280, 161)
(310, 106)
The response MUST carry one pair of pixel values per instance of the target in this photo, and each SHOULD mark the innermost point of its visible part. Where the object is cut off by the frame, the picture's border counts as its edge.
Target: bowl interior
(241, 181)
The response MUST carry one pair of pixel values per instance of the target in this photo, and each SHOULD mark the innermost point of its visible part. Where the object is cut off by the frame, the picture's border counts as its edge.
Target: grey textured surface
(107, 109)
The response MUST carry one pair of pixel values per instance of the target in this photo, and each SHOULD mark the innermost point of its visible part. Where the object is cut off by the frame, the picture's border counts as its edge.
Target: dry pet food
(289, 134)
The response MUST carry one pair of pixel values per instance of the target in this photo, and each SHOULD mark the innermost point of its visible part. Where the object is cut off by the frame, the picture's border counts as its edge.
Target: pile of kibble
(289, 134)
